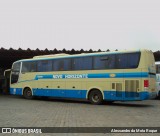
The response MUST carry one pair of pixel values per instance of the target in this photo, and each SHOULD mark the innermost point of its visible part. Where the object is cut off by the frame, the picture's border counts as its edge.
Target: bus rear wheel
(28, 93)
(95, 97)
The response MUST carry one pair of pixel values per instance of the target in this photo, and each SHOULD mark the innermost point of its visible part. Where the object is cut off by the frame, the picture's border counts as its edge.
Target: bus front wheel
(28, 93)
(95, 97)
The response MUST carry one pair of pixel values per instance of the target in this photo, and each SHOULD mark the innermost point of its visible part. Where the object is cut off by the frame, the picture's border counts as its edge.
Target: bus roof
(51, 56)
(57, 56)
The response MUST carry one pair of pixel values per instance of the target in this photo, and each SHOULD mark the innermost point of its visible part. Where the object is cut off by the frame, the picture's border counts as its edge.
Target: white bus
(97, 77)
(158, 78)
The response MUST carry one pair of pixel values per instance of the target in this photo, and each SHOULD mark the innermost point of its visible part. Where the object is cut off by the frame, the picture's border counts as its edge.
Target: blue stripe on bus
(119, 75)
(68, 93)
(128, 96)
(16, 91)
(101, 75)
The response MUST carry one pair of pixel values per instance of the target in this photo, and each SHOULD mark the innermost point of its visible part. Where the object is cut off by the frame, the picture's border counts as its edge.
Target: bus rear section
(138, 80)
(149, 83)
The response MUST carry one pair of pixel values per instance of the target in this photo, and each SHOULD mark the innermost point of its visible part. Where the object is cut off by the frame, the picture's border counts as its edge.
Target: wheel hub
(95, 98)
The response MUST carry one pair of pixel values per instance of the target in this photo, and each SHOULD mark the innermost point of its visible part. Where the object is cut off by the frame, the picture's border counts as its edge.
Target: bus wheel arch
(95, 96)
(27, 93)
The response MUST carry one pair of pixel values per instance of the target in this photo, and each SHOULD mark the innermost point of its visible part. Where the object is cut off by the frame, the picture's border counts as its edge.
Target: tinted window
(62, 64)
(58, 65)
(104, 62)
(25, 67)
(121, 61)
(83, 63)
(128, 60)
(110, 61)
(117, 61)
(67, 64)
(29, 66)
(33, 67)
(133, 60)
(44, 65)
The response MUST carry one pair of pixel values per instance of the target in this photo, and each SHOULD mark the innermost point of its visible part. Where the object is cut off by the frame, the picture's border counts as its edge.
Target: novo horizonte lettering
(71, 76)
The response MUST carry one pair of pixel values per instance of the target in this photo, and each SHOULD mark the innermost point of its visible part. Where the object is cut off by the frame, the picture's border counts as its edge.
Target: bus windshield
(15, 73)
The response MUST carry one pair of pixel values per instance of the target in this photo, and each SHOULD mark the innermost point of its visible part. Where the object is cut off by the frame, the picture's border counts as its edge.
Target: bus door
(15, 72)
(117, 88)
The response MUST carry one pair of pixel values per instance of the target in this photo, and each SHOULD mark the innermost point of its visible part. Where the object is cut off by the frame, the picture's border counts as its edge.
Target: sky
(80, 24)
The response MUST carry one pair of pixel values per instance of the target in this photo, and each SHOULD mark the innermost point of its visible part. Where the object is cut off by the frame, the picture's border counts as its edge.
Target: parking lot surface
(15, 111)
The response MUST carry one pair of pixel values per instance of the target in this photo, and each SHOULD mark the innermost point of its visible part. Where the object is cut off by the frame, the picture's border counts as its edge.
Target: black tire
(28, 93)
(95, 97)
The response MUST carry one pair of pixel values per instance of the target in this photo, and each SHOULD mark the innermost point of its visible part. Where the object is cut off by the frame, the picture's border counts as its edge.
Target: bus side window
(44, 65)
(99, 62)
(33, 66)
(77, 63)
(61, 65)
(29, 66)
(121, 61)
(67, 64)
(110, 63)
(82, 63)
(25, 67)
(104, 62)
(133, 60)
(58, 65)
